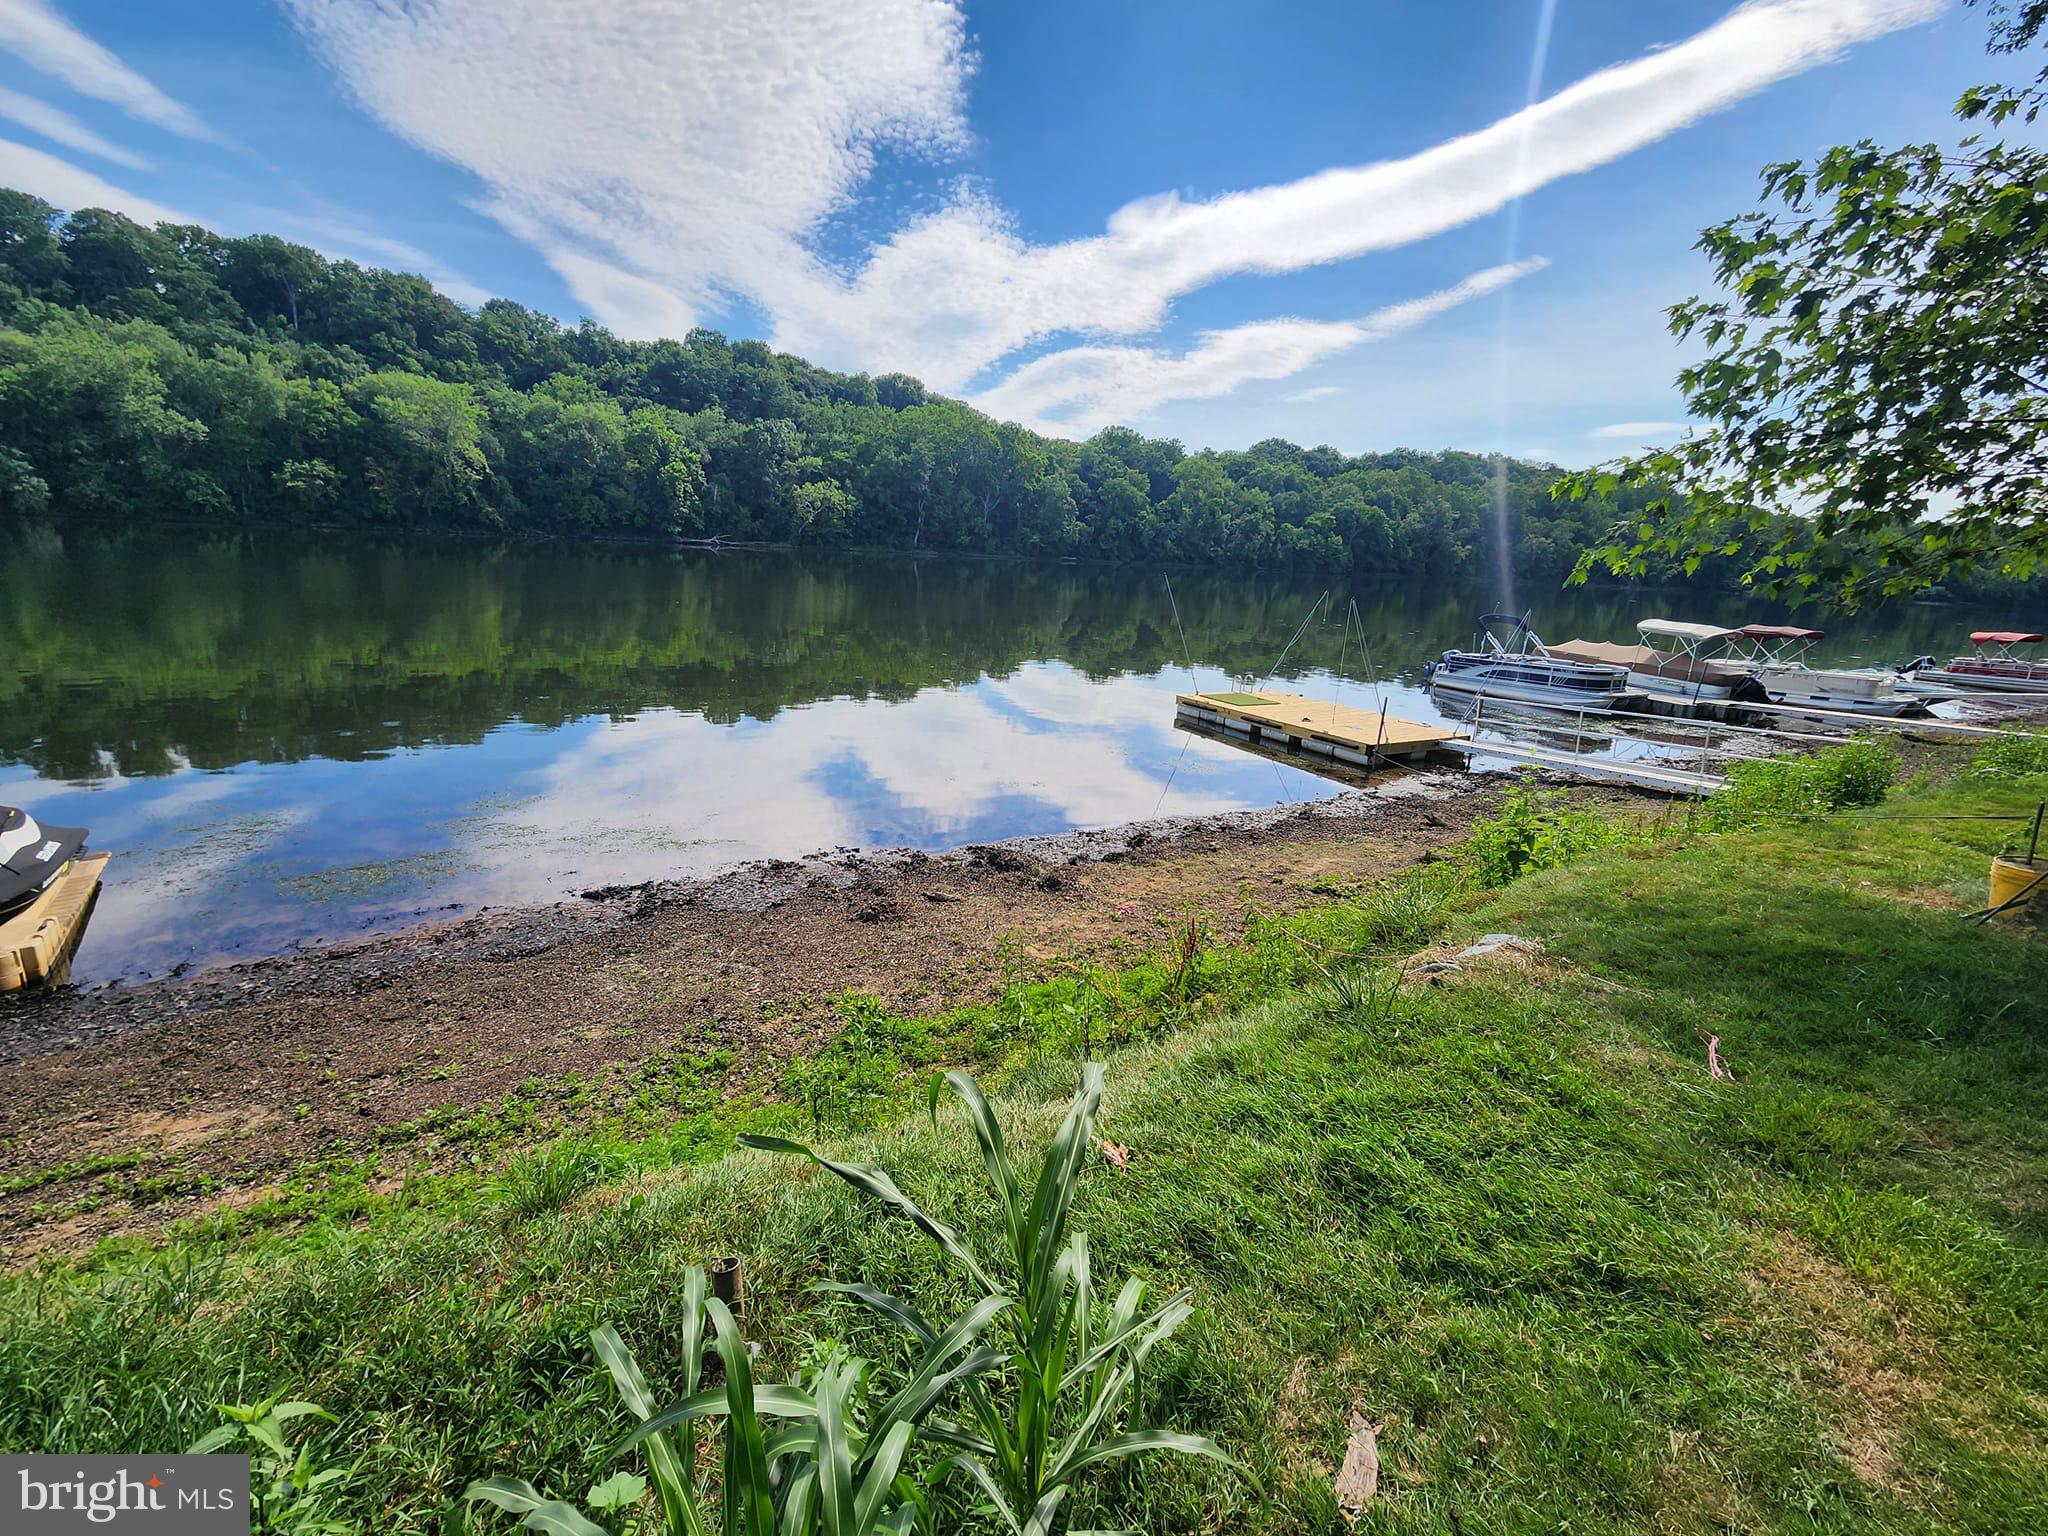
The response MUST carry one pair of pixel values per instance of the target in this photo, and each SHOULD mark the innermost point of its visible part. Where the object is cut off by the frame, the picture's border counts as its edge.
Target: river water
(291, 740)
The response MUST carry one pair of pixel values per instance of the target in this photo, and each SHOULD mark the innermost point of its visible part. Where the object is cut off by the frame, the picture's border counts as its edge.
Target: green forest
(171, 374)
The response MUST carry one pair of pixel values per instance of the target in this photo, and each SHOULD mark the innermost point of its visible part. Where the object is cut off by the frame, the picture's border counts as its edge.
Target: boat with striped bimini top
(1509, 661)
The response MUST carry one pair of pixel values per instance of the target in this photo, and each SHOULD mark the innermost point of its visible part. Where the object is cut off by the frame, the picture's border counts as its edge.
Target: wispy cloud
(1312, 394)
(44, 39)
(60, 127)
(1637, 431)
(1079, 390)
(702, 146)
(58, 181)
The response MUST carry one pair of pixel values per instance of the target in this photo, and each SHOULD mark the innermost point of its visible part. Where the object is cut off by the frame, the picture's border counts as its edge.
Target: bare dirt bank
(223, 1082)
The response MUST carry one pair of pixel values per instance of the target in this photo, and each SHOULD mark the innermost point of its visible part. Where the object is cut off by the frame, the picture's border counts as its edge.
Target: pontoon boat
(2001, 670)
(1672, 658)
(1774, 654)
(1508, 661)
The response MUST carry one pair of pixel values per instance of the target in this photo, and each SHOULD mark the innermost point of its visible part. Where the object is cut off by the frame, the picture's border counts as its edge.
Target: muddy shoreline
(64, 1018)
(215, 1085)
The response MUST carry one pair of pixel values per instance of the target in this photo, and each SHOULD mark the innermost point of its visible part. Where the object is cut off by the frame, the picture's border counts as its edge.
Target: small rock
(1497, 943)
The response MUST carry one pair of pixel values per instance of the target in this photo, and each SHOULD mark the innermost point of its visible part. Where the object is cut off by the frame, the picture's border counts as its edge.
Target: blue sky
(1366, 224)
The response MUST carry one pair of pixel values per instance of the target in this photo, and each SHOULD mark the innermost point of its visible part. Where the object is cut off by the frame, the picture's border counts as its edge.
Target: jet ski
(32, 856)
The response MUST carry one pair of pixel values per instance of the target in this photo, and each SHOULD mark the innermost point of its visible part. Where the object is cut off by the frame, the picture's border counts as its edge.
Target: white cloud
(637, 307)
(31, 29)
(1312, 394)
(70, 186)
(60, 127)
(703, 146)
(645, 143)
(1637, 431)
(1080, 390)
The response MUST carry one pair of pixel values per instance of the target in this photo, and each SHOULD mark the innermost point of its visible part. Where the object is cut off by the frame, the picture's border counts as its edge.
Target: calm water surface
(288, 740)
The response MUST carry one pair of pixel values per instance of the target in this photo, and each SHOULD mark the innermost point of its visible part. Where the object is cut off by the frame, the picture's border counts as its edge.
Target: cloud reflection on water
(260, 857)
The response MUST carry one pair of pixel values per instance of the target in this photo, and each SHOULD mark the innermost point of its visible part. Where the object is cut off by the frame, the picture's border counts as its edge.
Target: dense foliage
(1875, 389)
(171, 373)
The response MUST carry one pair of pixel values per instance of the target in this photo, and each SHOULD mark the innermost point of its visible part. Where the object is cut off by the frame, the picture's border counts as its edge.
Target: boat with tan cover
(1671, 657)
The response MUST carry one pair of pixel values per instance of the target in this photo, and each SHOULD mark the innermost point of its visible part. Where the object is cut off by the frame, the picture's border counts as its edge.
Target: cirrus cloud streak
(35, 32)
(1080, 390)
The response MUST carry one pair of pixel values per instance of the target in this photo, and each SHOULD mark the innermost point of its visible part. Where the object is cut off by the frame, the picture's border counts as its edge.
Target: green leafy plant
(1534, 831)
(1066, 1395)
(853, 1079)
(1782, 788)
(291, 1493)
(2011, 755)
(833, 1464)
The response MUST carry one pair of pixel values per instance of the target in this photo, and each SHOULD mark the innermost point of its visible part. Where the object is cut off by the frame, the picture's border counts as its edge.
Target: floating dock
(36, 944)
(1314, 728)
(1340, 740)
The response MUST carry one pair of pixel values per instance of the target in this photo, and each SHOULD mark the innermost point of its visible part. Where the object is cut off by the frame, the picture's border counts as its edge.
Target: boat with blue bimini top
(1509, 661)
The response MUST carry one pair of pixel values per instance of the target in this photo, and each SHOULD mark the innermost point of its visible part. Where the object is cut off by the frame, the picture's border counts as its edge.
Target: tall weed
(1535, 831)
(1787, 788)
(1058, 1408)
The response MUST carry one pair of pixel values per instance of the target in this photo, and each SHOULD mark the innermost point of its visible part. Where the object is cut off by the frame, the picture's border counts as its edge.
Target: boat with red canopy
(1995, 666)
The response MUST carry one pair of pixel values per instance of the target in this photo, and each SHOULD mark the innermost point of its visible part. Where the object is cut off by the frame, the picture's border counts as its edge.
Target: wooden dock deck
(36, 943)
(1321, 734)
(1317, 728)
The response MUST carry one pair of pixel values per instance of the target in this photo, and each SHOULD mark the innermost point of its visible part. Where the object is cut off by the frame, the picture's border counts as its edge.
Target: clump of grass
(1787, 788)
(548, 1178)
(1361, 994)
(2011, 755)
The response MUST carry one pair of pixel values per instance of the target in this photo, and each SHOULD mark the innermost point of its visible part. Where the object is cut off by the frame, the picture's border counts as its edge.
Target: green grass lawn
(1510, 1218)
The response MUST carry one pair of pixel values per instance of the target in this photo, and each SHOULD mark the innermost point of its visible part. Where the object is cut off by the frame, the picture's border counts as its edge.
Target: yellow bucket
(2009, 877)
